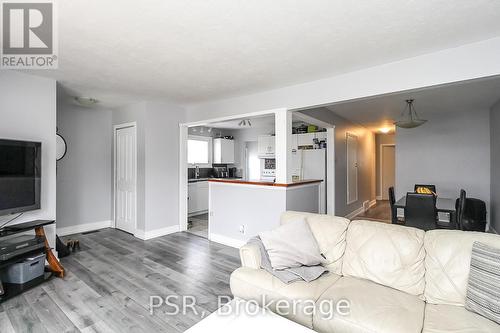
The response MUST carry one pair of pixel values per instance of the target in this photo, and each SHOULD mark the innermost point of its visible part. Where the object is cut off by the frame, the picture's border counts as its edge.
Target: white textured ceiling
(382, 111)
(194, 50)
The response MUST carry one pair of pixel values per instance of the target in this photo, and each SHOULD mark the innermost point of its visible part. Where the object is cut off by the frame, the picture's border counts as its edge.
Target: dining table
(445, 206)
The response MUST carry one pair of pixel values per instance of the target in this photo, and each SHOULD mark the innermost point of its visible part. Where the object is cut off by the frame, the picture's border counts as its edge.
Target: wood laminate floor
(110, 280)
(198, 225)
(381, 212)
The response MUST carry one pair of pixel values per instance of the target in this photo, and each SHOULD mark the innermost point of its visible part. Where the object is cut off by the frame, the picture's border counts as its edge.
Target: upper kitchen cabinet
(223, 151)
(266, 146)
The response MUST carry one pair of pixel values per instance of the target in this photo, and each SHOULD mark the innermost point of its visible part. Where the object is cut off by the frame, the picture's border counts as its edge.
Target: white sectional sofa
(396, 279)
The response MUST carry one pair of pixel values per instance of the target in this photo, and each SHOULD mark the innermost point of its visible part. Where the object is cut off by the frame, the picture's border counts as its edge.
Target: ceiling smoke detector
(86, 101)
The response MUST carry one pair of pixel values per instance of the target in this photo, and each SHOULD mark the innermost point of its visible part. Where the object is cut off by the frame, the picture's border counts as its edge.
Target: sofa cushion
(373, 308)
(291, 245)
(483, 288)
(254, 284)
(447, 263)
(330, 233)
(387, 254)
(456, 319)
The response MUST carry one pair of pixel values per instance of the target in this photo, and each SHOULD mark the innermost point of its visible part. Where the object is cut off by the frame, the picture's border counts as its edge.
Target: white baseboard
(493, 230)
(198, 213)
(237, 243)
(360, 210)
(76, 229)
(379, 197)
(354, 213)
(145, 235)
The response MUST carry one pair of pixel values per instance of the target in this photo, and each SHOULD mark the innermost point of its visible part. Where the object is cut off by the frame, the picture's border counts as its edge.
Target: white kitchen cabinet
(197, 197)
(266, 146)
(223, 151)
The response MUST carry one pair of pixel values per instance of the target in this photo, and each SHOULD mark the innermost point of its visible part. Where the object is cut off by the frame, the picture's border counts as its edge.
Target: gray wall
(158, 161)
(495, 167)
(28, 112)
(380, 139)
(452, 150)
(84, 175)
(162, 165)
(366, 161)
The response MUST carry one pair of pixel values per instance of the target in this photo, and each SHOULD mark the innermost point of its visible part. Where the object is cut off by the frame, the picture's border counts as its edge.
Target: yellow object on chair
(424, 190)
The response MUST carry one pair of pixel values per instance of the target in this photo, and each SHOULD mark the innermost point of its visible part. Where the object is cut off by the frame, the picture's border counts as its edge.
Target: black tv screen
(20, 175)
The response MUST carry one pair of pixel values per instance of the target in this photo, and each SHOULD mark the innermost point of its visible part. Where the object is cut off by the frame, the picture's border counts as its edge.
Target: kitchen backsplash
(229, 172)
(204, 172)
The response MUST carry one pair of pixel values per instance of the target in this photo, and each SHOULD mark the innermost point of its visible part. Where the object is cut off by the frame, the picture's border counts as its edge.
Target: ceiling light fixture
(409, 119)
(85, 101)
(385, 130)
(245, 123)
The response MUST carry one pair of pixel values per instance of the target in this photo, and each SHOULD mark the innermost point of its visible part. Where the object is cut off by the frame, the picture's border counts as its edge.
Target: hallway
(380, 212)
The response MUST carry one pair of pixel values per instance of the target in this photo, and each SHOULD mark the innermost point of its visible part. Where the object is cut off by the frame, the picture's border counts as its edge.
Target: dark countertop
(262, 183)
(195, 180)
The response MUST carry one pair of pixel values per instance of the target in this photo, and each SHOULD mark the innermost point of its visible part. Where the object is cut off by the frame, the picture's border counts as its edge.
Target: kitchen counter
(195, 180)
(264, 183)
(240, 209)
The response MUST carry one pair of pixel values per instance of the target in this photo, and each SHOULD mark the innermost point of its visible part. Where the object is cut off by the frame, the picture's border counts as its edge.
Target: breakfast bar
(240, 209)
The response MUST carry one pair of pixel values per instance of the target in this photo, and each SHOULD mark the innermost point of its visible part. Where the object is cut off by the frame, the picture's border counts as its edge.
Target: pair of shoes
(73, 245)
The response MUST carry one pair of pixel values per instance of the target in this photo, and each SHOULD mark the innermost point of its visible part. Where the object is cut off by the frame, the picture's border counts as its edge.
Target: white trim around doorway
(183, 165)
(115, 129)
(330, 158)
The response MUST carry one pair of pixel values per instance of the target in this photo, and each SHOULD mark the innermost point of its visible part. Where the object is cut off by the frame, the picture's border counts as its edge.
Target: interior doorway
(352, 168)
(125, 177)
(387, 169)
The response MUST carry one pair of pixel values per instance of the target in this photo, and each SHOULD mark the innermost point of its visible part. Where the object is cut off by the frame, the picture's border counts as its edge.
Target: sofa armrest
(250, 256)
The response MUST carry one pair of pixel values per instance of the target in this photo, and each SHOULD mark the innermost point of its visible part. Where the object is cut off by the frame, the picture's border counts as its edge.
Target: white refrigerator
(311, 164)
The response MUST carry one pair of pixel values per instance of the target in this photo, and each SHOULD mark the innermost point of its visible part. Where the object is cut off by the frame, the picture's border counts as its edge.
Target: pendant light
(409, 117)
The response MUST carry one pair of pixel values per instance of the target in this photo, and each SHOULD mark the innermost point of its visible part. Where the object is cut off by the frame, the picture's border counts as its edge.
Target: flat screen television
(20, 176)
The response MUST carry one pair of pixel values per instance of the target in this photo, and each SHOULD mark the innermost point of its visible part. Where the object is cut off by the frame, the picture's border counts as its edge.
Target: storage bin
(25, 271)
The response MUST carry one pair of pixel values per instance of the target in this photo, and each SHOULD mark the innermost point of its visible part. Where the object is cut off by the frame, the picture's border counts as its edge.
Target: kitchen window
(199, 151)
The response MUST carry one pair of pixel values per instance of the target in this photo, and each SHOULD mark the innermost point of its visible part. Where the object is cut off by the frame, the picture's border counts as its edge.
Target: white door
(352, 168)
(125, 178)
(388, 170)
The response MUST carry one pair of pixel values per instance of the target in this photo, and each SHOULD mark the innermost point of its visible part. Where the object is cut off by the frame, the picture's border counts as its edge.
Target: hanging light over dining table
(409, 117)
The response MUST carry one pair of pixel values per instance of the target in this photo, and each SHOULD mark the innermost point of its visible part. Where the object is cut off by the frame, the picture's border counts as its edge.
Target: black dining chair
(431, 187)
(394, 211)
(420, 211)
(471, 213)
(460, 208)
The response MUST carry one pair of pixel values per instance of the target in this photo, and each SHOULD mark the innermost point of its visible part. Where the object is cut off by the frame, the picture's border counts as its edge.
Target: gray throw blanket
(287, 275)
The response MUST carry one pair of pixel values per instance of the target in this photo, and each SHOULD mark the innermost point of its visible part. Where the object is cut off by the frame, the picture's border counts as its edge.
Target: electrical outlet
(242, 229)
